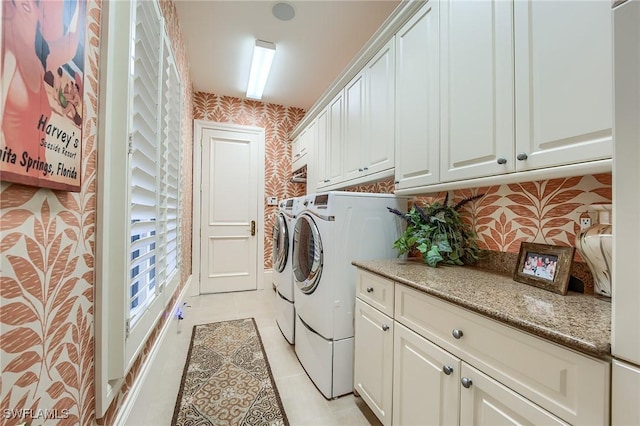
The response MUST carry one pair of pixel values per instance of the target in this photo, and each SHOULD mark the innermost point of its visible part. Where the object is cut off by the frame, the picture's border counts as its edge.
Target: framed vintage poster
(42, 92)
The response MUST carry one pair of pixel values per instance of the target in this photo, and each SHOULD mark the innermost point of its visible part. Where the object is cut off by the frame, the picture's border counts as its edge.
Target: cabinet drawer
(570, 385)
(376, 291)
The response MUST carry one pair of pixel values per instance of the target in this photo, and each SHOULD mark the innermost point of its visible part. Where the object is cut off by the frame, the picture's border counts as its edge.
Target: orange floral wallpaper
(47, 252)
(545, 212)
(278, 122)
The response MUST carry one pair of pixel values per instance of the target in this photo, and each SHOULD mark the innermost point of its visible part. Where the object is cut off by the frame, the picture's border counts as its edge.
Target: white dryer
(332, 230)
(282, 270)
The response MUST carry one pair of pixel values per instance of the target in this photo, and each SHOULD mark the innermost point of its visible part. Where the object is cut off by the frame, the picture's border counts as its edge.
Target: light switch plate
(272, 201)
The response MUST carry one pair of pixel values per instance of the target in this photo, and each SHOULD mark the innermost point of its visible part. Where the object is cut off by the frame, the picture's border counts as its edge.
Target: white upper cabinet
(335, 132)
(563, 57)
(321, 150)
(417, 100)
(379, 141)
(369, 117)
(354, 105)
(477, 96)
(525, 85)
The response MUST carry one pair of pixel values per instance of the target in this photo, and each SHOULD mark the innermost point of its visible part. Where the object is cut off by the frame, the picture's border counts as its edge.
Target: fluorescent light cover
(263, 54)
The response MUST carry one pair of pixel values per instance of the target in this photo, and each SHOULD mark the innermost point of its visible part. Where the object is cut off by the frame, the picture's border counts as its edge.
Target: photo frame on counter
(544, 266)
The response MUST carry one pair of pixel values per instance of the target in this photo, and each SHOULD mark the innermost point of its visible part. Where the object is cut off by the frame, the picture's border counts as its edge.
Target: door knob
(502, 160)
(385, 327)
(522, 156)
(466, 382)
(253, 228)
(457, 333)
(447, 369)
(369, 289)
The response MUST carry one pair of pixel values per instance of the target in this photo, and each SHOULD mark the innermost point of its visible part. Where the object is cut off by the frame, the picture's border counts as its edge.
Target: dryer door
(280, 243)
(307, 254)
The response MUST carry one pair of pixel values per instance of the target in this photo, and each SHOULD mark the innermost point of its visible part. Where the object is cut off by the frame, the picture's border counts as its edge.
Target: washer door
(280, 243)
(307, 254)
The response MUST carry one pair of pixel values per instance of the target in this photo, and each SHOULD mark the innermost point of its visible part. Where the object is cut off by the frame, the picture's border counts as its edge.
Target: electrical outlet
(272, 201)
(585, 222)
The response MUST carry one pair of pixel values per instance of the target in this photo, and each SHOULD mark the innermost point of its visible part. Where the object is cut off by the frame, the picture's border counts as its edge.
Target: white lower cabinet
(373, 371)
(426, 381)
(443, 365)
(484, 401)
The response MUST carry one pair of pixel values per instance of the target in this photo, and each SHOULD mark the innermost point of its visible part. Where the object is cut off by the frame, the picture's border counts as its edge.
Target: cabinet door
(626, 174)
(487, 402)
(477, 88)
(322, 149)
(378, 144)
(625, 394)
(563, 56)
(423, 392)
(335, 141)
(373, 359)
(354, 104)
(417, 99)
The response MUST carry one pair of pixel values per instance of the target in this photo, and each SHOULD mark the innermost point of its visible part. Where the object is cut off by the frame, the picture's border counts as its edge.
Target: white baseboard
(129, 402)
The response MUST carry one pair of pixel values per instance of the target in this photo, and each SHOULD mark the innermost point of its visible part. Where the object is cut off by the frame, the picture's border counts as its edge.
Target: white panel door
(379, 139)
(373, 359)
(563, 82)
(485, 402)
(426, 381)
(417, 129)
(229, 245)
(477, 88)
(354, 104)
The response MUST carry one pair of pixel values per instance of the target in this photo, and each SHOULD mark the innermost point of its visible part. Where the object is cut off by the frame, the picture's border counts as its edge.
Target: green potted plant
(438, 233)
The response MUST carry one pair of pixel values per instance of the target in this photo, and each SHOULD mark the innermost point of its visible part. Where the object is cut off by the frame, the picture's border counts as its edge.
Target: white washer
(282, 270)
(333, 229)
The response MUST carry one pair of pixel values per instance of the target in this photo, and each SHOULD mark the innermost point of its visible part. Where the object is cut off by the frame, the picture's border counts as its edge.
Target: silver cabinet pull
(385, 327)
(457, 333)
(502, 160)
(466, 382)
(447, 369)
(522, 156)
(369, 289)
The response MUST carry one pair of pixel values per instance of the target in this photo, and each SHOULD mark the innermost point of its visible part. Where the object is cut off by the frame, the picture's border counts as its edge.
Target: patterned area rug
(227, 379)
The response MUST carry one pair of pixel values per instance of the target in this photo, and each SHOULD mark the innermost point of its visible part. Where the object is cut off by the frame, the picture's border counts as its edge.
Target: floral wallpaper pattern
(545, 212)
(47, 246)
(278, 122)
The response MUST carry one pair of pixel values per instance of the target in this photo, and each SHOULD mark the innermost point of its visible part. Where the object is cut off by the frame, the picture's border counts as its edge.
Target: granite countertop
(578, 321)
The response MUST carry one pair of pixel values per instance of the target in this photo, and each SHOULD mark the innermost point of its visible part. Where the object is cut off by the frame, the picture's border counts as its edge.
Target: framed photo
(544, 266)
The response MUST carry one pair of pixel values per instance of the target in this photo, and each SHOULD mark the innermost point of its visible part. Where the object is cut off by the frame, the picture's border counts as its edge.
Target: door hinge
(130, 143)
(127, 327)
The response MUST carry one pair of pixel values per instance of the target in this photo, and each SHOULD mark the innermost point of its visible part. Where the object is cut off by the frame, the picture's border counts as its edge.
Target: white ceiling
(312, 49)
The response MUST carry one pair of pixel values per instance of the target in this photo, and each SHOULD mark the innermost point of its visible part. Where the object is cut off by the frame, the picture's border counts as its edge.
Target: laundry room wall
(278, 122)
(47, 255)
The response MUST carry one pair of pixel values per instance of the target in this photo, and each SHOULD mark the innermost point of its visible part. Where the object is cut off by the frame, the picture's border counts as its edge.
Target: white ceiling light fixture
(263, 53)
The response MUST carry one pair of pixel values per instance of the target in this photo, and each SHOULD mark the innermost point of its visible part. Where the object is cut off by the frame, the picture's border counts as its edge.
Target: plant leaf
(19, 340)
(433, 256)
(17, 313)
(23, 362)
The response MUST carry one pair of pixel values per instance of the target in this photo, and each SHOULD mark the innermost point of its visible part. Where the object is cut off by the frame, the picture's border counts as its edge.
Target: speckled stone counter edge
(584, 324)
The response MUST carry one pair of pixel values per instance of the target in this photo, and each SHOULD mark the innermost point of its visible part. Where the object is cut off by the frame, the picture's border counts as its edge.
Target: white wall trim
(268, 279)
(198, 127)
(138, 383)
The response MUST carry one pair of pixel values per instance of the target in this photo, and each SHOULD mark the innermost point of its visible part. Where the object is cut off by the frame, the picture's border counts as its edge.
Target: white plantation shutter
(145, 166)
(155, 137)
(170, 163)
(138, 203)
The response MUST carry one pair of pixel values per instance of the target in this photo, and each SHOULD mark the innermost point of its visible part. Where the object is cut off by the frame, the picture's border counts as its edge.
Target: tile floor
(303, 403)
